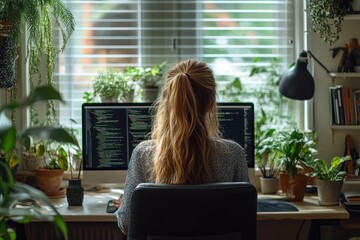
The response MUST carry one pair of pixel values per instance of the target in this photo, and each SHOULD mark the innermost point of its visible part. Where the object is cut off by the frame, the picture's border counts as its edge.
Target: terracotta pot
(293, 186)
(49, 180)
(283, 181)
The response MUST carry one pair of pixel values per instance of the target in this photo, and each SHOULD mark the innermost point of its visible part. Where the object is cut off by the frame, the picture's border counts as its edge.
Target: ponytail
(184, 125)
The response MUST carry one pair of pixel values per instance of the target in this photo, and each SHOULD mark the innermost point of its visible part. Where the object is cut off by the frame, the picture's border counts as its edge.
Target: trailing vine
(327, 17)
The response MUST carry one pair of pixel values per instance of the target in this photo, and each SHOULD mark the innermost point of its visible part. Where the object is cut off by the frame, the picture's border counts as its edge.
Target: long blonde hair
(184, 124)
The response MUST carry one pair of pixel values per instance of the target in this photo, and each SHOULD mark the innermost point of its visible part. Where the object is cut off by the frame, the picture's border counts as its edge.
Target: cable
(299, 230)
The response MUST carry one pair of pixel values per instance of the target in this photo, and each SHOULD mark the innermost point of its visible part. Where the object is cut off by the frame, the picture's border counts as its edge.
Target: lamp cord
(322, 65)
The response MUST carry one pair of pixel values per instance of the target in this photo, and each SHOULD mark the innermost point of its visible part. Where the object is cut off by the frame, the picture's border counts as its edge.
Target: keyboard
(275, 205)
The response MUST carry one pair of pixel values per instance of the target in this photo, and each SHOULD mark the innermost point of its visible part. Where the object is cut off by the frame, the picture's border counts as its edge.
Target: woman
(185, 146)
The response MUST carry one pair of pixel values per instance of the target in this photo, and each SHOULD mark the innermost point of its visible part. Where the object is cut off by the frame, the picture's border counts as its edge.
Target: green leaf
(41, 93)
(62, 158)
(8, 140)
(51, 133)
(61, 225)
(39, 150)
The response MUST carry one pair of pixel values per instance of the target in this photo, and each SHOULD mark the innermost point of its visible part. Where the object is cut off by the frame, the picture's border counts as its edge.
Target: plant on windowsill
(150, 81)
(13, 192)
(329, 178)
(327, 16)
(111, 86)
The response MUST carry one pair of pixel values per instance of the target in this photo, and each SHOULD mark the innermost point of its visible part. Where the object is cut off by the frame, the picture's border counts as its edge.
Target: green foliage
(327, 17)
(39, 18)
(12, 193)
(267, 153)
(151, 77)
(271, 115)
(111, 84)
(321, 170)
(295, 148)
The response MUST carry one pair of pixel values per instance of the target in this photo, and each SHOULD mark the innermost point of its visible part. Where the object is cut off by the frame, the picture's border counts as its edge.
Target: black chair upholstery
(214, 211)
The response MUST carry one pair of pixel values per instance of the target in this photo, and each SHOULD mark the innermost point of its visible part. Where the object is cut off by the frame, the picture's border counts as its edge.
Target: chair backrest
(216, 211)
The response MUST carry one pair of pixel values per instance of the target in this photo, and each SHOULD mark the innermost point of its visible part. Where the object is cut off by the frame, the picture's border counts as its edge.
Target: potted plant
(295, 150)
(110, 86)
(266, 155)
(12, 192)
(326, 17)
(49, 177)
(329, 179)
(38, 17)
(33, 153)
(150, 81)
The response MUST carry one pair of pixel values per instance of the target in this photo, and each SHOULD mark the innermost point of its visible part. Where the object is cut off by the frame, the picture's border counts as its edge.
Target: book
(352, 197)
(356, 96)
(333, 109)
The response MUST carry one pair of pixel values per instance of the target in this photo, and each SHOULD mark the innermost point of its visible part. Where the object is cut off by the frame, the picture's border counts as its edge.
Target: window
(226, 34)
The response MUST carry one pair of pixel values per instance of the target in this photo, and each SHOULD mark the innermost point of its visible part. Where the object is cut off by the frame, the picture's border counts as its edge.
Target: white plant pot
(356, 5)
(269, 185)
(329, 192)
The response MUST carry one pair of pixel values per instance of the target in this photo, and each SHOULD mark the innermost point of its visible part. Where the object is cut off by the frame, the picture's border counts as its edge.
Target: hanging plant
(8, 57)
(327, 17)
(39, 18)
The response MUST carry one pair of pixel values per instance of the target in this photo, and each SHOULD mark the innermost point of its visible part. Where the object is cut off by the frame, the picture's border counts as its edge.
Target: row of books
(350, 200)
(345, 105)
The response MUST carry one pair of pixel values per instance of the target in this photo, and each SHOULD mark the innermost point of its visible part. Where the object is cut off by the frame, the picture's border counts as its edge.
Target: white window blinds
(226, 34)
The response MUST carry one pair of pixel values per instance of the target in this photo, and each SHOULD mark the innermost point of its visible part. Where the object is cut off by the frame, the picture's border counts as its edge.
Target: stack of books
(351, 201)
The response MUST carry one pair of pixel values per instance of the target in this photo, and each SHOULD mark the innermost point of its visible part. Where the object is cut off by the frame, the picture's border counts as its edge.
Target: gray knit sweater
(228, 165)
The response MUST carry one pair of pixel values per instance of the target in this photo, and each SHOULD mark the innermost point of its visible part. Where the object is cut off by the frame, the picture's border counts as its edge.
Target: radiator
(76, 231)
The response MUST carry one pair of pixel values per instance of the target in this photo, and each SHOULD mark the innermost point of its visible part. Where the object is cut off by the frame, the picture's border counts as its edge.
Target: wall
(330, 143)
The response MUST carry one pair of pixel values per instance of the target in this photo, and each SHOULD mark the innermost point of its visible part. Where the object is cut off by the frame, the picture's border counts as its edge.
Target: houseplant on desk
(329, 179)
(266, 155)
(296, 148)
(11, 192)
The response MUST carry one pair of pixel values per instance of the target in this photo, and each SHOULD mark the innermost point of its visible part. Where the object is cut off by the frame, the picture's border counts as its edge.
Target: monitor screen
(111, 131)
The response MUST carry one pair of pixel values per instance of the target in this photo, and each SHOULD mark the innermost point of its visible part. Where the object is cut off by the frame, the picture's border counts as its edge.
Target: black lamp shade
(297, 83)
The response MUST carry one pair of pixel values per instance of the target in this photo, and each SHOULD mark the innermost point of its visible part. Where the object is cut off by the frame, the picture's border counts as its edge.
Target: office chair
(214, 211)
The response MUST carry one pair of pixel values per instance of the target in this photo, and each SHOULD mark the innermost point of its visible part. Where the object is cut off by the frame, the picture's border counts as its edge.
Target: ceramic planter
(269, 185)
(329, 191)
(75, 192)
(150, 94)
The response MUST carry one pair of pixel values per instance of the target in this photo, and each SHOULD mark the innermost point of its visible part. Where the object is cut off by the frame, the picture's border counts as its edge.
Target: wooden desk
(308, 209)
(91, 218)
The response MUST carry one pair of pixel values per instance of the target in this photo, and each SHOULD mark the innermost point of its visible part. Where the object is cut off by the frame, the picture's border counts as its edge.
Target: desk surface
(94, 209)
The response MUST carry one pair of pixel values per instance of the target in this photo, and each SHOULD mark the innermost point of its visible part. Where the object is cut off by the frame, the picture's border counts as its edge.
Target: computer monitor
(111, 131)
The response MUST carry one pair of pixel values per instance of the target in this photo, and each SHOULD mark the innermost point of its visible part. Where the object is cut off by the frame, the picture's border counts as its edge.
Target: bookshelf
(339, 78)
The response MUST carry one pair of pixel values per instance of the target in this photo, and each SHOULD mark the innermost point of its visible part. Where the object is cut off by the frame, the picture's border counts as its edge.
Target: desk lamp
(297, 83)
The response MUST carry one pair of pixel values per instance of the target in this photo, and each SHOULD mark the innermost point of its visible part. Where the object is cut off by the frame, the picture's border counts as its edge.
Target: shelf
(345, 127)
(352, 17)
(342, 127)
(344, 75)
